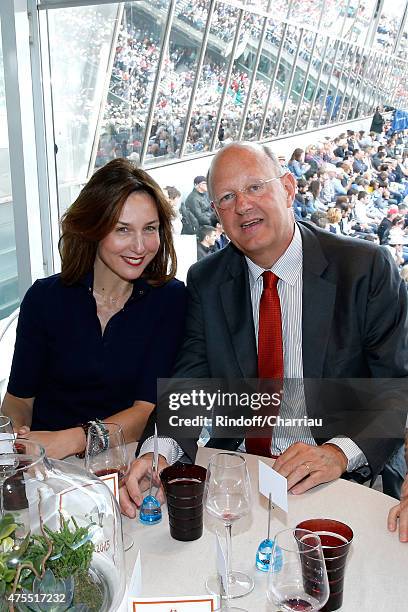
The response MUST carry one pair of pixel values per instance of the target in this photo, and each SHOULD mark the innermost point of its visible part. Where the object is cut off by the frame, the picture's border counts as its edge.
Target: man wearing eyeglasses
(339, 311)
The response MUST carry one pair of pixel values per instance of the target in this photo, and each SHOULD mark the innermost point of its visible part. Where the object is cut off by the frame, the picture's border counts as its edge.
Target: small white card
(112, 482)
(135, 584)
(173, 604)
(274, 483)
(221, 562)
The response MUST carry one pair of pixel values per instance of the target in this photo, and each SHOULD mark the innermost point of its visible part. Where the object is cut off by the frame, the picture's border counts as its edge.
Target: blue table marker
(263, 554)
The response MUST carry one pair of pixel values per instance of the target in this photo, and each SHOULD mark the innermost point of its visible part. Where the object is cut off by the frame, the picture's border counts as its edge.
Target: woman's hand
(58, 444)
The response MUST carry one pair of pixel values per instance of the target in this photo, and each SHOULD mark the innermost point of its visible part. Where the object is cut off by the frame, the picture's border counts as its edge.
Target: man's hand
(306, 466)
(138, 481)
(399, 513)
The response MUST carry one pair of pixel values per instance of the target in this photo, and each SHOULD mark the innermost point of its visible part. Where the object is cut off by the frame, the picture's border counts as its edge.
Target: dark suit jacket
(354, 326)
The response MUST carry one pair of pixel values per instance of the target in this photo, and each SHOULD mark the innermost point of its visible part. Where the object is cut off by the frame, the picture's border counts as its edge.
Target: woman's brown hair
(95, 213)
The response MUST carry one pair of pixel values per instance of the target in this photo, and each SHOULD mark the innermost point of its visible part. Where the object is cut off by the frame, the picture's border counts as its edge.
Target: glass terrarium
(60, 536)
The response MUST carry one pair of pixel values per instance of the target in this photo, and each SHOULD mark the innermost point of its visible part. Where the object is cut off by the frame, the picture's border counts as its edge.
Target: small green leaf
(6, 530)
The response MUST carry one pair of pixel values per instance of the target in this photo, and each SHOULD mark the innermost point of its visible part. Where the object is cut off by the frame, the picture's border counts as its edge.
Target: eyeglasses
(254, 190)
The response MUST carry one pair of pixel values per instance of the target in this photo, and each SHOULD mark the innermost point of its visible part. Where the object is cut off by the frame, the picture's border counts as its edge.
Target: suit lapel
(319, 295)
(236, 302)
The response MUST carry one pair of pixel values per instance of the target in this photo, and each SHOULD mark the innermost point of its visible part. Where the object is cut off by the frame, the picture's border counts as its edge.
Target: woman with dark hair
(92, 341)
(296, 164)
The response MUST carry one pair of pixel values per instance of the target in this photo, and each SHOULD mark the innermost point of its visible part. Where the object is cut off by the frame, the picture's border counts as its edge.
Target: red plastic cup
(184, 487)
(336, 539)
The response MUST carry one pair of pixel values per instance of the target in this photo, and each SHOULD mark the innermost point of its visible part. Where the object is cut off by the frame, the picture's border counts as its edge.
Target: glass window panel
(266, 66)
(306, 13)
(284, 78)
(281, 83)
(335, 96)
(212, 82)
(388, 25)
(239, 85)
(337, 14)
(80, 41)
(274, 36)
(177, 79)
(347, 80)
(9, 299)
(303, 84)
(362, 22)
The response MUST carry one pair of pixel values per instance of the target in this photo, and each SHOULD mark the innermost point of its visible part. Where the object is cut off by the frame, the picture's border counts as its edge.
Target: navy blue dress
(74, 372)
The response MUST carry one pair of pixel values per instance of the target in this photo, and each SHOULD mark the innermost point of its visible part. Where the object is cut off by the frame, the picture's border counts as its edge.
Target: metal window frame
(339, 79)
(227, 80)
(45, 141)
(197, 75)
(366, 89)
(380, 80)
(254, 73)
(305, 81)
(102, 105)
(291, 78)
(358, 74)
(375, 86)
(337, 43)
(354, 20)
(273, 78)
(319, 79)
(352, 64)
(159, 71)
(363, 76)
(16, 38)
(401, 29)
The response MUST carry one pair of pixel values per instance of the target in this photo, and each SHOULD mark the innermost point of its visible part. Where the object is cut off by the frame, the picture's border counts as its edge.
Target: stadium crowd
(354, 185)
(135, 65)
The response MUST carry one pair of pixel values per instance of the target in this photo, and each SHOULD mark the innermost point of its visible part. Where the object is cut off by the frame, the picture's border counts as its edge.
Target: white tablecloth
(376, 575)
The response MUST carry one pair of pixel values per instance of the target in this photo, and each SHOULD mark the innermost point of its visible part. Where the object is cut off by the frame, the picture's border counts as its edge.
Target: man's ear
(289, 184)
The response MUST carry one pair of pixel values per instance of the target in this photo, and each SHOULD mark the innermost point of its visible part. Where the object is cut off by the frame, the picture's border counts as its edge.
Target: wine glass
(105, 454)
(297, 578)
(227, 496)
(8, 461)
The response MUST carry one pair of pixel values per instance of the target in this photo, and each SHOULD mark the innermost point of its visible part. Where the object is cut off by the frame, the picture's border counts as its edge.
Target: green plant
(71, 550)
(53, 562)
(50, 594)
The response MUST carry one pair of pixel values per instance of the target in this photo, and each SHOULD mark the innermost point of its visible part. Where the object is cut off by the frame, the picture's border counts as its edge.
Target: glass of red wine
(106, 454)
(227, 496)
(297, 578)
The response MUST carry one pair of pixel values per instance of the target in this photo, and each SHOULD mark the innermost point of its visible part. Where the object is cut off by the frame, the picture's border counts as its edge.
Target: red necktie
(270, 354)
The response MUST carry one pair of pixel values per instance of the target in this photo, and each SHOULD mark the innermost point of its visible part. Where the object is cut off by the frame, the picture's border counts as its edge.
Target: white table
(376, 575)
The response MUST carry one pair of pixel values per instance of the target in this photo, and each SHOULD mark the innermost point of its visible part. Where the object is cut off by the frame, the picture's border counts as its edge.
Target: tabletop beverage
(184, 486)
(297, 578)
(227, 496)
(105, 454)
(121, 472)
(336, 538)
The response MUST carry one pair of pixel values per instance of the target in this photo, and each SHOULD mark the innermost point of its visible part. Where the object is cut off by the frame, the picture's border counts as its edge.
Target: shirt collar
(287, 267)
